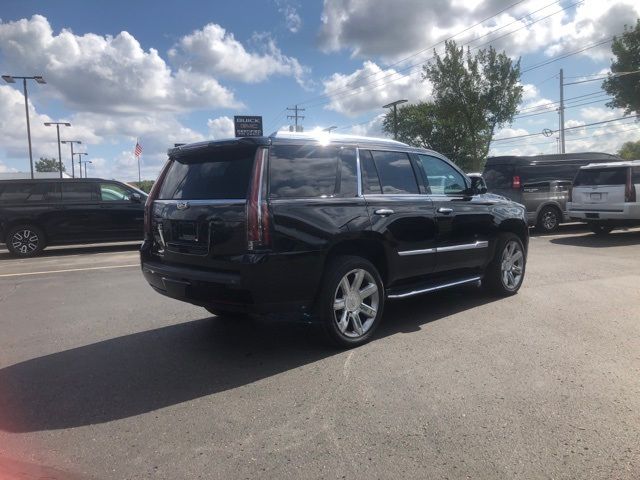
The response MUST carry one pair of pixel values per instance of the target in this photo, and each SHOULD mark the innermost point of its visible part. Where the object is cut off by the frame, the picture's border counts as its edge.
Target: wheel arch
(368, 247)
(518, 227)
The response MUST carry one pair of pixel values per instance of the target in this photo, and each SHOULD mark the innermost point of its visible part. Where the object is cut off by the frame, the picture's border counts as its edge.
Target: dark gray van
(540, 182)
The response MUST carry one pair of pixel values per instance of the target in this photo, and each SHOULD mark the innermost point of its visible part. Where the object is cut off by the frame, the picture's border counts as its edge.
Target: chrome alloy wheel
(512, 267)
(549, 220)
(355, 303)
(25, 241)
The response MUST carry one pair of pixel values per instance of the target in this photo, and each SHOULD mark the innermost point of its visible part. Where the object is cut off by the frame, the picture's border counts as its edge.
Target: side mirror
(136, 198)
(477, 185)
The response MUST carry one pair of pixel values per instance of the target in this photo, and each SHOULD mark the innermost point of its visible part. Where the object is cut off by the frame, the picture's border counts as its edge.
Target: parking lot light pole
(40, 80)
(80, 160)
(86, 175)
(395, 115)
(57, 124)
(71, 142)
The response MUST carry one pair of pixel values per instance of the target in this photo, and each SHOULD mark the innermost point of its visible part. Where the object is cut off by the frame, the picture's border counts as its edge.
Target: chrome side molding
(452, 248)
(434, 288)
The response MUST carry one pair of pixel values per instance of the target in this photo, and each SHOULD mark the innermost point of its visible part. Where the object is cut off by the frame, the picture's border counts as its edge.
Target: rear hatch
(199, 215)
(502, 179)
(600, 186)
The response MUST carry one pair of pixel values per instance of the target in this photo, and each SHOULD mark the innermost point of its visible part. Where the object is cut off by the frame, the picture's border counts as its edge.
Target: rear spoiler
(191, 148)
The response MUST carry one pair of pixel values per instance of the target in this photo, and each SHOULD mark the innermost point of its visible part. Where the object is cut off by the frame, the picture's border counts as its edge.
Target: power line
(345, 92)
(635, 127)
(615, 75)
(569, 128)
(566, 107)
(565, 55)
(352, 85)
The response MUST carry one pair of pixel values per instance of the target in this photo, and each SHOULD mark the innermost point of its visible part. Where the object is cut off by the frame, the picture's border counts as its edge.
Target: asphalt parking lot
(101, 378)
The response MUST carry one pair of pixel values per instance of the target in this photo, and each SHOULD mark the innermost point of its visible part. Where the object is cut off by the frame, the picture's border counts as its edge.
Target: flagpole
(138, 157)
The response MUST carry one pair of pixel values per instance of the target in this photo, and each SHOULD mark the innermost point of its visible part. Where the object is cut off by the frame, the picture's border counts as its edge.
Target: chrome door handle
(384, 212)
(445, 210)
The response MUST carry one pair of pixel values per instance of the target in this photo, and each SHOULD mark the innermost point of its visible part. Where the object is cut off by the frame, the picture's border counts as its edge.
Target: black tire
(549, 219)
(25, 240)
(494, 278)
(600, 229)
(345, 327)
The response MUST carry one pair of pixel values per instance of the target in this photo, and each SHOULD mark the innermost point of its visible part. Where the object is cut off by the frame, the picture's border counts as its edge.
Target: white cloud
(371, 87)
(392, 29)
(13, 130)
(372, 128)
(221, 127)
(292, 18)
(214, 51)
(105, 73)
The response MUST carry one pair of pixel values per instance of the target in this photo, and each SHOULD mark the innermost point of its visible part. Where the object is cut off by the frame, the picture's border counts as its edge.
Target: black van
(37, 213)
(540, 182)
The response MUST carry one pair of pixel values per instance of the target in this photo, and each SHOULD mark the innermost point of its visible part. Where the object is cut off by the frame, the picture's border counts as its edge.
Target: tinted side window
(112, 192)
(442, 178)
(29, 192)
(396, 173)
(223, 173)
(636, 174)
(601, 176)
(78, 191)
(303, 171)
(370, 179)
(16, 192)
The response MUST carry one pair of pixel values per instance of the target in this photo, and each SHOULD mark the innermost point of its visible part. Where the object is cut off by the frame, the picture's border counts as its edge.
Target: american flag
(138, 150)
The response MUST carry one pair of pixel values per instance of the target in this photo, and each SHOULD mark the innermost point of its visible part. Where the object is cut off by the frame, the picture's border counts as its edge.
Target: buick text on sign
(248, 126)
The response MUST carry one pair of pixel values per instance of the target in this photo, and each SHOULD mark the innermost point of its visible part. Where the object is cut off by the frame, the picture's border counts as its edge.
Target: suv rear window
(312, 171)
(601, 176)
(498, 176)
(223, 173)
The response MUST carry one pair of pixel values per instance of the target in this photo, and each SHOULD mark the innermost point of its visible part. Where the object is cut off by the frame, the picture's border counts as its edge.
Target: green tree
(49, 165)
(625, 89)
(630, 150)
(472, 96)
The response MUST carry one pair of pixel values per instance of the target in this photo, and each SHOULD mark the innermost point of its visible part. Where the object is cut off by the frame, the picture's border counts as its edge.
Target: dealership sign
(247, 126)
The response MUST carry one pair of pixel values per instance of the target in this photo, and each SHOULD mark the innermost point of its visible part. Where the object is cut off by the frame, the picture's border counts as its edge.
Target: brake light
(629, 189)
(258, 216)
(515, 183)
(153, 194)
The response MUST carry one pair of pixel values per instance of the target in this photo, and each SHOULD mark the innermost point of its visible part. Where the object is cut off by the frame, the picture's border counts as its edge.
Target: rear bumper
(255, 283)
(623, 212)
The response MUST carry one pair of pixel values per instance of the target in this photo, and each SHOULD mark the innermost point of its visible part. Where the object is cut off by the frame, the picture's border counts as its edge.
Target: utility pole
(395, 115)
(296, 116)
(561, 111)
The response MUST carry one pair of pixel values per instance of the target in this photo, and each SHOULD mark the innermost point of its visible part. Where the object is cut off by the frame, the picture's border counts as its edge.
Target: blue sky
(169, 73)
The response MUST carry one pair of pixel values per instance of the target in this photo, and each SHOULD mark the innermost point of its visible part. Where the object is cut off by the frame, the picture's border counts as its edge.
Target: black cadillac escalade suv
(330, 226)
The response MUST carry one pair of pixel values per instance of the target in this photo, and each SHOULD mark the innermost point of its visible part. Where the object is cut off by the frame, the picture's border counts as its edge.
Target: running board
(424, 288)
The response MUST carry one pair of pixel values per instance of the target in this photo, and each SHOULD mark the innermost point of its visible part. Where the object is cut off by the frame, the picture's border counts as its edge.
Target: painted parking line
(4, 275)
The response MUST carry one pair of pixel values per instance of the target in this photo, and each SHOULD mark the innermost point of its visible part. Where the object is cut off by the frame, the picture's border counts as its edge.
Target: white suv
(605, 195)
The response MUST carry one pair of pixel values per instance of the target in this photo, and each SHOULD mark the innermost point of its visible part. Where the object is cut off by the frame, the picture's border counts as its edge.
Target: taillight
(629, 188)
(515, 183)
(258, 217)
(153, 194)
